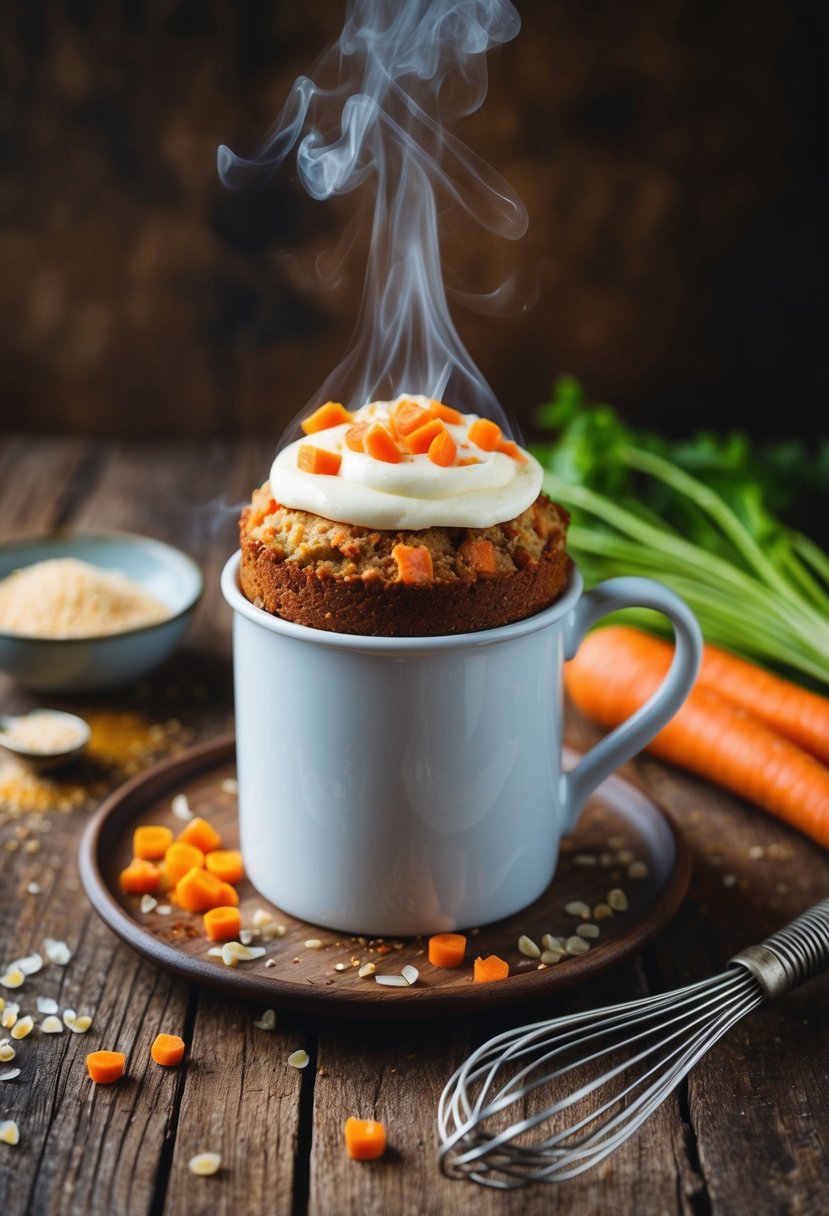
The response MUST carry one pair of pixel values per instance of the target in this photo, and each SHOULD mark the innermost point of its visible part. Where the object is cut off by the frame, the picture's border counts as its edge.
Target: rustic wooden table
(749, 1132)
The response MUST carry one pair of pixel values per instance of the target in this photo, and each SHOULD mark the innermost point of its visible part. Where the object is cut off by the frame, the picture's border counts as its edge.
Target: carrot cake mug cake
(403, 605)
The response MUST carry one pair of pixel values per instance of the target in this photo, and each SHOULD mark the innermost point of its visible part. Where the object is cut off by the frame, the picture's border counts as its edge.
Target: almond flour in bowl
(67, 598)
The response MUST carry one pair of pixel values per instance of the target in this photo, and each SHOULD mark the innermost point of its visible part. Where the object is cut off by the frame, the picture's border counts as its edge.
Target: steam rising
(402, 68)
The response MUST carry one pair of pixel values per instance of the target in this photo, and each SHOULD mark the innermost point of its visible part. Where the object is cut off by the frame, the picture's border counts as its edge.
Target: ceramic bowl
(82, 665)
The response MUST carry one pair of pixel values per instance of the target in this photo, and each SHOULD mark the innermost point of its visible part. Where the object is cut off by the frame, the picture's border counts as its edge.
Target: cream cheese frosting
(413, 493)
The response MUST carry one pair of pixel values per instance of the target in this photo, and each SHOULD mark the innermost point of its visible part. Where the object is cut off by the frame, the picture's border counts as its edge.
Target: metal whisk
(604, 1072)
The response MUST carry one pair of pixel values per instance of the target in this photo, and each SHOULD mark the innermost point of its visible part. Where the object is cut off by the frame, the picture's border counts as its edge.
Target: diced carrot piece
(355, 437)
(418, 441)
(365, 1139)
(465, 460)
(380, 444)
(222, 924)
(487, 969)
(167, 1049)
(317, 460)
(226, 864)
(443, 449)
(181, 857)
(202, 834)
(414, 563)
(330, 414)
(199, 891)
(445, 412)
(140, 877)
(447, 949)
(104, 1067)
(409, 416)
(480, 553)
(151, 841)
(484, 434)
(511, 449)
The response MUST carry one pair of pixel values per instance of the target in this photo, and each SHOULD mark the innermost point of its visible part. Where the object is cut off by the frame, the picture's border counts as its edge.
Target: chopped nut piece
(637, 869)
(550, 942)
(164, 909)
(245, 936)
(204, 1164)
(527, 947)
(29, 966)
(270, 962)
(588, 931)
(576, 945)
(9, 1074)
(366, 969)
(392, 981)
(410, 974)
(342, 966)
(602, 912)
(625, 857)
(56, 952)
(584, 859)
(616, 842)
(9, 1016)
(7, 1052)
(298, 1059)
(9, 1132)
(13, 978)
(553, 956)
(617, 900)
(577, 907)
(261, 918)
(756, 852)
(46, 1004)
(313, 943)
(180, 807)
(33, 888)
(148, 902)
(51, 1025)
(267, 1020)
(229, 786)
(22, 1027)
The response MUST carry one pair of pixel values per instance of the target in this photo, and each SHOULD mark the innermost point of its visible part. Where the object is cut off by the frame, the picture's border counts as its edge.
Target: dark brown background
(670, 155)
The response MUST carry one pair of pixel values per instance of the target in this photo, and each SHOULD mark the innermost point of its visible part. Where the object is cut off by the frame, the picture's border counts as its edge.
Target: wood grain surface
(747, 1133)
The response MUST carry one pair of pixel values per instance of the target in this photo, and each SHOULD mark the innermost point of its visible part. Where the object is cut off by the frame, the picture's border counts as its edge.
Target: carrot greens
(700, 515)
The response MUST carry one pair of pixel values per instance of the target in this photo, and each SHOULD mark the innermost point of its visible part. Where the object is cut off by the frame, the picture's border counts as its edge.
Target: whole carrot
(617, 669)
(800, 715)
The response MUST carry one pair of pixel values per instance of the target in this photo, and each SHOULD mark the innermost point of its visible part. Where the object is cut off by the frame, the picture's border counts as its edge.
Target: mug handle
(625, 740)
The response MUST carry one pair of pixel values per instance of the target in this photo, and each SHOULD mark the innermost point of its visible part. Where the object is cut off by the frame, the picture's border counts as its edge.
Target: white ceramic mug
(395, 786)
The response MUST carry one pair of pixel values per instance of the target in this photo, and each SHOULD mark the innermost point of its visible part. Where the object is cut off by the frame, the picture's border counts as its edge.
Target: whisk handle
(792, 955)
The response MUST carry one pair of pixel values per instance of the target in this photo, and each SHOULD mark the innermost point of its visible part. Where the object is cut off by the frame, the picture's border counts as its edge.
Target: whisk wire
(658, 1039)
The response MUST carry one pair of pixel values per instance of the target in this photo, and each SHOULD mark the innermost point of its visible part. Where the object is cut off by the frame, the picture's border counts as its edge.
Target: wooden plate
(619, 819)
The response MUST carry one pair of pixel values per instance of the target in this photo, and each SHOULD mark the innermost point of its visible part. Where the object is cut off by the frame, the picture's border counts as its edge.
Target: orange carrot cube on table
(199, 891)
(140, 877)
(202, 834)
(365, 1139)
(151, 841)
(487, 969)
(104, 1067)
(222, 924)
(447, 949)
(181, 857)
(226, 864)
(167, 1049)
